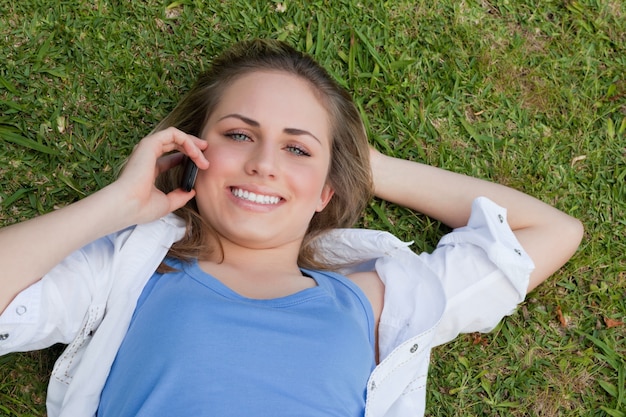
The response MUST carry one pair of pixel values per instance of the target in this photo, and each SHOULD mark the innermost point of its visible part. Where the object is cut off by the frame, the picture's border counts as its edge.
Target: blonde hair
(349, 173)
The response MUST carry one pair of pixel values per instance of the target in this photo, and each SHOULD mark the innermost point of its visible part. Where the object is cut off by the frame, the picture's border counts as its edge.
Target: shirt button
(20, 310)
(414, 348)
(519, 252)
(501, 218)
(4, 336)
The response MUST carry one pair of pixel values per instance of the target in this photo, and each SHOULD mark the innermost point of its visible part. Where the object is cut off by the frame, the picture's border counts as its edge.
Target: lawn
(531, 94)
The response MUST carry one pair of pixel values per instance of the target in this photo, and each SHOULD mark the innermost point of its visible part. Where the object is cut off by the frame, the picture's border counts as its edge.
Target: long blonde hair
(349, 174)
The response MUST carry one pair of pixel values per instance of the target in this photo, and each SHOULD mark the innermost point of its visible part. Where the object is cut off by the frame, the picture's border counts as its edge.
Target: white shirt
(476, 275)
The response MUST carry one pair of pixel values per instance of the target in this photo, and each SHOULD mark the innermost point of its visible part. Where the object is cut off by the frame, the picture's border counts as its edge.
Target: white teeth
(255, 198)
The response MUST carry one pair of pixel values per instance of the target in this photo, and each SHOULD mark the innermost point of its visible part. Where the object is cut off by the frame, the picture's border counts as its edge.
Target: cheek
(221, 160)
(312, 182)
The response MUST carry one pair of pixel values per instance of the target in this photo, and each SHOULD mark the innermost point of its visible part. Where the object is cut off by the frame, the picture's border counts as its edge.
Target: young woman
(255, 298)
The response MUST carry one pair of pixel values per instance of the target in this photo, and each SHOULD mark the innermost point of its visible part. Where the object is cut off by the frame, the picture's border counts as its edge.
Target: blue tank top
(196, 348)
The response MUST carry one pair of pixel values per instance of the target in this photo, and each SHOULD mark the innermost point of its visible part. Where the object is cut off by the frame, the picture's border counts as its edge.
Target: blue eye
(238, 136)
(298, 151)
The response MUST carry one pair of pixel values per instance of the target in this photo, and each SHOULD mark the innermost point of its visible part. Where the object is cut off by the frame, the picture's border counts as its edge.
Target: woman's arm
(548, 235)
(32, 248)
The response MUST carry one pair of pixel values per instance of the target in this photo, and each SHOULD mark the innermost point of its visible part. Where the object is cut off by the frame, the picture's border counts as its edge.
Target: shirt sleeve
(52, 309)
(483, 269)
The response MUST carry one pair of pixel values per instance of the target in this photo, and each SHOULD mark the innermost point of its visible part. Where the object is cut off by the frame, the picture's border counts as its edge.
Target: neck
(279, 260)
(259, 273)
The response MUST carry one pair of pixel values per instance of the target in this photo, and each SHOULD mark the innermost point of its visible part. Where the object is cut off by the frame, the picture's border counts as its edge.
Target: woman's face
(269, 152)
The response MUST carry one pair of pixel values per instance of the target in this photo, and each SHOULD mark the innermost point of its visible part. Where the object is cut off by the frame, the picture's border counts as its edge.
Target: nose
(262, 161)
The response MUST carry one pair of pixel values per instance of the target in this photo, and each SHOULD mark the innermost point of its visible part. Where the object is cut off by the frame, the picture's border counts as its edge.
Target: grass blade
(9, 134)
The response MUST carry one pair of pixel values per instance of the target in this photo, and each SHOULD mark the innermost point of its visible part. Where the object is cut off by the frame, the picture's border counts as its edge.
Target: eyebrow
(289, 130)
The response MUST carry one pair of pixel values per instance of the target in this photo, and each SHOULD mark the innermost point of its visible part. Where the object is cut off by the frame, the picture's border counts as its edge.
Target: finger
(194, 150)
(167, 162)
(178, 198)
(173, 139)
(198, 158)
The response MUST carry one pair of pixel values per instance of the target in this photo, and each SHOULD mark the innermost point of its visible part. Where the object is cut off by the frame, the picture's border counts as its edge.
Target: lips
(254, 197)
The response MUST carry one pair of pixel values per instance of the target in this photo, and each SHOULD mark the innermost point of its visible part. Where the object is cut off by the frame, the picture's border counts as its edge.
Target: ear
(325, 196)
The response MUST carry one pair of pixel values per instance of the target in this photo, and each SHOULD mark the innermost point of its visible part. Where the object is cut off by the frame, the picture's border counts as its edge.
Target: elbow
(556, 248)
(573, 232)
(569, 232)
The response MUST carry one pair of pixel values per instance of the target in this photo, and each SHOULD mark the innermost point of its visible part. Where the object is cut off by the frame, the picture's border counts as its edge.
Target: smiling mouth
(253, 197)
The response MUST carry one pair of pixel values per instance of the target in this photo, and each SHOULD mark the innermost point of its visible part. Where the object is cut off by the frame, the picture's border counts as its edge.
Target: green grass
(528, 93)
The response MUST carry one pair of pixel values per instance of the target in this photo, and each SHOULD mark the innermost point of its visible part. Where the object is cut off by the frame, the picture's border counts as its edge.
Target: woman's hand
(144, 202)
(548, 235)
(30, 249)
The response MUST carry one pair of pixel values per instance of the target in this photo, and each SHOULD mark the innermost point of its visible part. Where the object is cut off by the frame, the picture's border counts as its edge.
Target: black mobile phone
(190, 171)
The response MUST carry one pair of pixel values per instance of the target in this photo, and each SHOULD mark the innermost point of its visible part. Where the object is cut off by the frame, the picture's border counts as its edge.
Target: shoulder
(370, 283)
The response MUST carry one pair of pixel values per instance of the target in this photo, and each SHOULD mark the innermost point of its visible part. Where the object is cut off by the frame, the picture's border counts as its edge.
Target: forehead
(275, 98)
